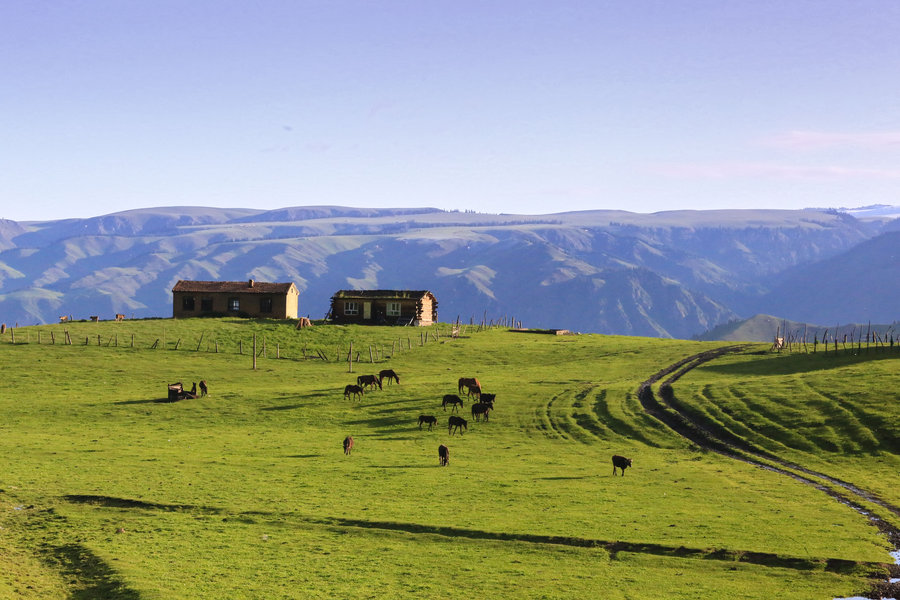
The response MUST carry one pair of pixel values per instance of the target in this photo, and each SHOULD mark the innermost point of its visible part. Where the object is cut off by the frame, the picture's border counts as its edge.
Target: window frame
(393, 309)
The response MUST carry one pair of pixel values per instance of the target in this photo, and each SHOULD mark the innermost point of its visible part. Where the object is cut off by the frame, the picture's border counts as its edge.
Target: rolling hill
(669, 274)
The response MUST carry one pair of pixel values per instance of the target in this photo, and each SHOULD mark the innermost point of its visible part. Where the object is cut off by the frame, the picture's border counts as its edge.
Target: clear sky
(496, 106)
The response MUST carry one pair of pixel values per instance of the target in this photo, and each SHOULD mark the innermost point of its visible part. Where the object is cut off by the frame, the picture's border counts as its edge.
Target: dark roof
(411, 294)
(233, 287)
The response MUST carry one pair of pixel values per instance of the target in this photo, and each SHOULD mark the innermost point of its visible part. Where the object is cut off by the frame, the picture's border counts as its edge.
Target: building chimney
(251, 283)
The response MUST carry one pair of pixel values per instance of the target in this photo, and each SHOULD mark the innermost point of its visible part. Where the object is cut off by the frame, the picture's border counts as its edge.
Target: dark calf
(444, 455)
(431, 420)
(620, 462)
(348, 444)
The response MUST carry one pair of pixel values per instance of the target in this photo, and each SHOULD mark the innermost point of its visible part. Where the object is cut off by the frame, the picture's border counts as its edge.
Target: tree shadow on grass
(93, 577)
(146, 401)
(113, 502)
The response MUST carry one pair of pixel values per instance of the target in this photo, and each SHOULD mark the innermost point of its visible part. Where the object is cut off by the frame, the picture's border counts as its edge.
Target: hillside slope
(670, 274)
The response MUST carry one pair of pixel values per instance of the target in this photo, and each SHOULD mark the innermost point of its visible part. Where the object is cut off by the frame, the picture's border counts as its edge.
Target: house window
(187, 303)
(393, 309)
(234, 304)
(265, 305)
(206, 304)
(351, 308)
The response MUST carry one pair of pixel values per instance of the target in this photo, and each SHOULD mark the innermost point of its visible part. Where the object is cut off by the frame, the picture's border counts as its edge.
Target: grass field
(246, 493)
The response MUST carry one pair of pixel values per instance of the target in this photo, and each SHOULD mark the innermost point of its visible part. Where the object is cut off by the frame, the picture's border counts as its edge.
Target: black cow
(388, 375)
(444, 455)
(486, 398)
(430, 419)
(452, 399)
(353, 389)
(348, 444)
(620, 462)
(481, 409)
(457, 424)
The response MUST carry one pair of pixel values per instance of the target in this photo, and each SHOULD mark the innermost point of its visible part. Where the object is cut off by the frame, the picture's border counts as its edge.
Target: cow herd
(483, 404)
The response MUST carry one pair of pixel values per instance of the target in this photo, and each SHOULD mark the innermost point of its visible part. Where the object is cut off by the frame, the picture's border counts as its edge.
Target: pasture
(108, 493)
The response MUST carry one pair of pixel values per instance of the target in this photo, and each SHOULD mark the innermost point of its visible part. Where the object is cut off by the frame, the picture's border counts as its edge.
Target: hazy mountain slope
(861, 284)
(675, 273)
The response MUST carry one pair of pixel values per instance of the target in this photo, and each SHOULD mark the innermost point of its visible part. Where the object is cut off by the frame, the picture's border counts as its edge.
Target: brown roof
(412, 294)
(232, 287)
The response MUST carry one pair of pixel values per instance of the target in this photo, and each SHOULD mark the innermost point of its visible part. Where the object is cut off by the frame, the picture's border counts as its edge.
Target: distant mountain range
(668, 274)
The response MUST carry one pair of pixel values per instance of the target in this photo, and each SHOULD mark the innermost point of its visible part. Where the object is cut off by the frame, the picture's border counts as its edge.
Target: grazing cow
(204, 390)
(487, 399)
(620, 462)
(389, 376)
(356, 390)
(468, 382)
(348, 445)
(365, 381)
(481, 409)
(430, 419)
(95, 318)
(444, 455)
(452, 399)
(120, 317)
(63, 318)
(457, 424)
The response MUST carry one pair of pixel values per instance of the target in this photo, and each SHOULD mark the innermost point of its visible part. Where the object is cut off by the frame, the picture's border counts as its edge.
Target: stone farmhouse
(235, 298)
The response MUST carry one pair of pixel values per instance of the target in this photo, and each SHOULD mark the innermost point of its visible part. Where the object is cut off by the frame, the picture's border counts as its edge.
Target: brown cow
(620, 462)
(95, 318)
(389, 375)
(120, 317)
(469, 382)
(348, 445)
(444, 455)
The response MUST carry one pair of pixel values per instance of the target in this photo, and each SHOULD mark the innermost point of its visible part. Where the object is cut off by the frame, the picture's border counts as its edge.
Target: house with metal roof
(384, 307)
(235, 298)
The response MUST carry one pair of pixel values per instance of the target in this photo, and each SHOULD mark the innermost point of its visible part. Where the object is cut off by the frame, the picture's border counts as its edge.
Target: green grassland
(107, 493)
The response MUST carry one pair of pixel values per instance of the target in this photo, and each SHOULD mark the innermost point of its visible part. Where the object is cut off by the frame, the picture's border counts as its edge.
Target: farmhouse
(384, 307)
(236, 298)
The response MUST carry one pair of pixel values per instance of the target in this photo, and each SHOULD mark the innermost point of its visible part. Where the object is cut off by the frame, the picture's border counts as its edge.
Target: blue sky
(505, 106)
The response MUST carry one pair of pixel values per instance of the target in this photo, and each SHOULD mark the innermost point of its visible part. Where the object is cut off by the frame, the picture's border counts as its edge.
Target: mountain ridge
(668, 274)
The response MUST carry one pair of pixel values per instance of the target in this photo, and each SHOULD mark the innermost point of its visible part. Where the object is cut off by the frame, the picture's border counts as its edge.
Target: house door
(367, 310)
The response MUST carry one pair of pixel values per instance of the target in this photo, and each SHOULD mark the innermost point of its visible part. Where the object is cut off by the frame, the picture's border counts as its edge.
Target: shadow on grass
(790, 364)
(402, 466)
(303, 456)
(562, 478)
(112, 502)
(147, 401)
(614, 547)
(94, 579)
(285, 407)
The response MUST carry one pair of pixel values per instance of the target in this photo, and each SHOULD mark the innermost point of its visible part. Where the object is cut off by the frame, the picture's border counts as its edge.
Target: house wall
(284, 306)
(408, 310)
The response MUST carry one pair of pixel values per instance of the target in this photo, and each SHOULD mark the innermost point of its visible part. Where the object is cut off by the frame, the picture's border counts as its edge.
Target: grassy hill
(108, 493)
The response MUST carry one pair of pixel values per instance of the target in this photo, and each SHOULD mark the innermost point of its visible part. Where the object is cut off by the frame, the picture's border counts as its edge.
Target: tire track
(705, 437)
